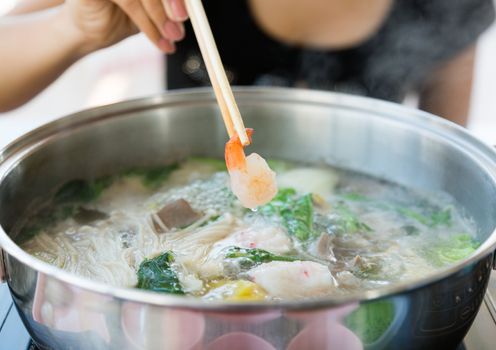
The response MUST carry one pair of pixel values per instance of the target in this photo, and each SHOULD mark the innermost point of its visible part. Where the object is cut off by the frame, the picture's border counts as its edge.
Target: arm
(26, 6)
(447, 92)
(36, 48)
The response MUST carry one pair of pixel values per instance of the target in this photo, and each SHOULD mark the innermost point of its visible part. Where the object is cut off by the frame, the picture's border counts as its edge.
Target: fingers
(136, 12)
(151, 18)
(169, 29)
(176, 10)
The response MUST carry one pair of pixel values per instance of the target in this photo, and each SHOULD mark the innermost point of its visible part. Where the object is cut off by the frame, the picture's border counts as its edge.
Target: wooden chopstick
(223, 93)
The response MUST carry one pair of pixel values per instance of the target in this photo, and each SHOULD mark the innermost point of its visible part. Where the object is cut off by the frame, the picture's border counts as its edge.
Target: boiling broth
(179, 229)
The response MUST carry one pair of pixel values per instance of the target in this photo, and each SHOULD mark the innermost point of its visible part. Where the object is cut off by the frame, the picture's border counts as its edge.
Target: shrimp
(252, 181)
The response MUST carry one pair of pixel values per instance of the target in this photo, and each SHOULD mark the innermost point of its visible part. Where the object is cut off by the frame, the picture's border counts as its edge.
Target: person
(40, 39)
(383, 49)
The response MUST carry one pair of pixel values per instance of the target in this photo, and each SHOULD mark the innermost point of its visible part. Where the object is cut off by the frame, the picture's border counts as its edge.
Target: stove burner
(32, 346)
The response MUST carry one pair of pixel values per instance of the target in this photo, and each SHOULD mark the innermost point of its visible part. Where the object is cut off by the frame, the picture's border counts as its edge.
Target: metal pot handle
(3, 274)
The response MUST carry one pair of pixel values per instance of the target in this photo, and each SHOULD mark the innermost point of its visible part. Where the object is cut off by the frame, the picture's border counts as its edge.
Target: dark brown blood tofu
(176, 214)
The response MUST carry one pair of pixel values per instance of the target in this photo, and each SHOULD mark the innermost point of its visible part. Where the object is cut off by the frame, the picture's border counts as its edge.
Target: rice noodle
(368, 240)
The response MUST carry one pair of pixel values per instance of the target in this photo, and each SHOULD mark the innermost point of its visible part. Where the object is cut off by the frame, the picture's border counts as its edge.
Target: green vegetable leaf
(65, 204)
(442, 217)
(295, 211)
(282, 199)
(255, 256)
(215, 163)
(452, 249)
(82, 191)
(210, 220)
(355, 197)
(279, 166)
(156, 274)
(436, 218)
(153, 177)
(348, 221)
(412, 214)
(299, 218)
(45, 218)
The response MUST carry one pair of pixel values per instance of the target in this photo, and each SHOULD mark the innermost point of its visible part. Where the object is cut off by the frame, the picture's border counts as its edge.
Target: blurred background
(134, 68)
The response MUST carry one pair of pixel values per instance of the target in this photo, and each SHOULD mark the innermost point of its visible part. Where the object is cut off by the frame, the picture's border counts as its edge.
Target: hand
(105, 22)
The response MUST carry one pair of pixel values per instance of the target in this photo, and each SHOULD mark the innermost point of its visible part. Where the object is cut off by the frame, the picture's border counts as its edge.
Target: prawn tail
(234, 153)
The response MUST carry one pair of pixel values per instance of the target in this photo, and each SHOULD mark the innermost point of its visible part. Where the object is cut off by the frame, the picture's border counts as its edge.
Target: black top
(416, 36)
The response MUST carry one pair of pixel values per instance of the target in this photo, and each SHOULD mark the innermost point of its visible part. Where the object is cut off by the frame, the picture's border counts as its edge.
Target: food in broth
(251, 179)
(179, 229)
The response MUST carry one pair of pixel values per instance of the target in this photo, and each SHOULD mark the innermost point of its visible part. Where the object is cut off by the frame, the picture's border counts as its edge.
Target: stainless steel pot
(407, 146)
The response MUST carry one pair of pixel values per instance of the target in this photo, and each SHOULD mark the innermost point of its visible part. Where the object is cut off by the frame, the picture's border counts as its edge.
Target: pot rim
(484, 154)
